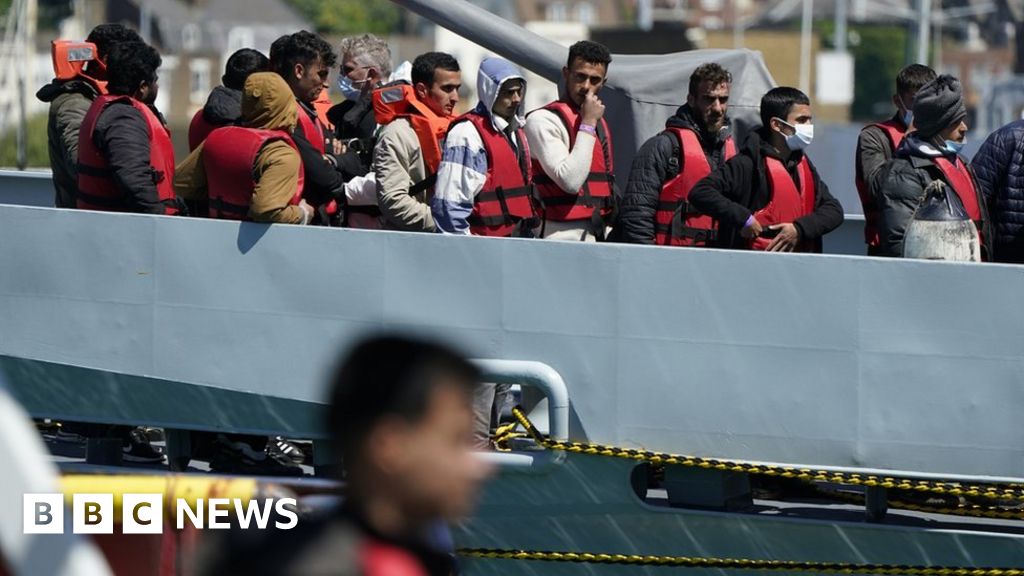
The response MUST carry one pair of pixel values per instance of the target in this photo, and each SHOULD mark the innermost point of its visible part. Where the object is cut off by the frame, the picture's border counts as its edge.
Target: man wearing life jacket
(251, 172)
(930, 152)
(483, 184)
(878, 142)
(70, 96)
(224, 105)
(125, 156)
(304, 60)
(400, 417)
(654, 208)
(572, 150)
(408, 151)
(769, 196)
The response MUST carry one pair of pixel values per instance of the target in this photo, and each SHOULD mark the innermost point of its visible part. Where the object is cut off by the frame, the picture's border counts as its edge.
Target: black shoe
(136, 448)
(239, 458)
(278, 446)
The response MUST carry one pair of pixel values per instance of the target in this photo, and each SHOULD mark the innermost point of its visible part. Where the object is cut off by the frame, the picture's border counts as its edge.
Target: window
(556, 12)
(585, 13)
(240, 37)
(191, 37)
(199, 80)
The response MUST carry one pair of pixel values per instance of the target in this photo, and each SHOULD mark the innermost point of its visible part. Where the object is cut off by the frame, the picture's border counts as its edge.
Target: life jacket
(229, 157)
(322, 105)
(595, 196)
(198, 130)
(959, 178)
(314, 132)
(399, 101)
(788, 202)
(872, 213)
(505, 202)
(677, 223)
(69, 60)
(96, 187)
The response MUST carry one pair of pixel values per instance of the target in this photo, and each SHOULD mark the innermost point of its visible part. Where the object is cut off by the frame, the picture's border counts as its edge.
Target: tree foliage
(36, 150)
(349, 16)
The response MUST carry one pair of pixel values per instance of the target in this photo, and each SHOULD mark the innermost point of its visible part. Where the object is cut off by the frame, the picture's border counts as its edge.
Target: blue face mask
(348, 88)
(908, 117)
(955, 147)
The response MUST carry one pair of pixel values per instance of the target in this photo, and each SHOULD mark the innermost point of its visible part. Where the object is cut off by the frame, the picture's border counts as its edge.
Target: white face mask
(802, 136)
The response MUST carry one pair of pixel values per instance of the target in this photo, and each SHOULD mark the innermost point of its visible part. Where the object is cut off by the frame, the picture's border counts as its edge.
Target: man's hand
(338, 146)
(592, 110)
(786, 240)
(753, 230)
(307, 209)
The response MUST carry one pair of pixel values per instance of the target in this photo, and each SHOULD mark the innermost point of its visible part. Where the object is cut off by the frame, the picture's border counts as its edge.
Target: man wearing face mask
(878, 142)
(125, 156)
(769, 196)
(929, 153)
(654, 208)
(572, 150)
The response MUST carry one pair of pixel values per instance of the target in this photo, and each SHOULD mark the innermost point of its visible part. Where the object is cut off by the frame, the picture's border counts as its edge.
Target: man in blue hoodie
(484, 185)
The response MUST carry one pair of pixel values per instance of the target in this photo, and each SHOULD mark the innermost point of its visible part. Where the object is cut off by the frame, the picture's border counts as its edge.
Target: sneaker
(154, 434)
(278, 446)
(239, 458)
(137, 448)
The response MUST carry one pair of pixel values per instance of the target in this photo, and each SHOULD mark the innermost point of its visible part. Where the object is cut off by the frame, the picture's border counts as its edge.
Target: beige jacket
(398, 164)
(268, 104)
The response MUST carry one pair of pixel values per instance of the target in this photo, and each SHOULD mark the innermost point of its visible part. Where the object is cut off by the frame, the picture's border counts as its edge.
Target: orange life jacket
(872, 213)
(69, 60)
(677, 223)
(229, 155)
(198, 130)
(788, 202)
(399, 101)
(506, 199)
(96, 187)
(315, 134)
(596, 192)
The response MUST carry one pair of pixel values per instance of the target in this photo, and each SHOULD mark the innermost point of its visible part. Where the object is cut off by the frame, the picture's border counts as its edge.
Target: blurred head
(436, 79)
(709, 96)
(909, 80)
(131, 71)
(104, 37)
(586, 70)
(240, 65)
(304, 60)
(401, 416)
(782, 110)
(268, 103)
(510, 96)
(939, 110)
(365, 61)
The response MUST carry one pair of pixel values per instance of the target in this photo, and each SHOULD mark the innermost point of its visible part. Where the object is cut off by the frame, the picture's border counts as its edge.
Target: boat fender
(941, 228)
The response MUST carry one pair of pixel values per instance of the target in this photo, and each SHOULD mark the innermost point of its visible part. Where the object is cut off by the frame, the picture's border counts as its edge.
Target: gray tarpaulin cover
(642, 91)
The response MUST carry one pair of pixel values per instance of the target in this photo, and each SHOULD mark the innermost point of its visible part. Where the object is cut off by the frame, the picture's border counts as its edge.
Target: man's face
(429, 465)
(583, 78)
(308, 81)
(509, 99)
(798, 114)
(363, 77)
(904, 102)
(710, 105)
(443, 93)
(148, 91)
(957, 132)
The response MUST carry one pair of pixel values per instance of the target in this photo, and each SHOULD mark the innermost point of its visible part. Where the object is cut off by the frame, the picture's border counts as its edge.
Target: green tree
(879, 52)
(349, 16)
(37, 153)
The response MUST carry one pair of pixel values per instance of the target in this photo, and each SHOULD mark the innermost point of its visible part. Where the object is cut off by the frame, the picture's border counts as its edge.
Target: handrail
(538, 375)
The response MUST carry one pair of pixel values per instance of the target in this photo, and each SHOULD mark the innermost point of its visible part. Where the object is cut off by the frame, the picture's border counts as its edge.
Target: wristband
(750, 221)
(588, 129)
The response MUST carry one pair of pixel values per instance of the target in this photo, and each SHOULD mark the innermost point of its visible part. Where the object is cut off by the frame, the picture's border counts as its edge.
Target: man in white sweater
(572, 150)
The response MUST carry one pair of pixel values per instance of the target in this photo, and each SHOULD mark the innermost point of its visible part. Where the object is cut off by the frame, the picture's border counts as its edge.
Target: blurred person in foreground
(401, 418)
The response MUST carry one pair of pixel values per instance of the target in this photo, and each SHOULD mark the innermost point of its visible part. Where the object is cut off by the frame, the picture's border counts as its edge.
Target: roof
(261, 20)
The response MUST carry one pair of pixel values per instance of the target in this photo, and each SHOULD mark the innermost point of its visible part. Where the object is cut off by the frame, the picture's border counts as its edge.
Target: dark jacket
(999, 173)
(69, 102)
(223, 107)
(355, 124)
(323, 181)
(738, 188)
(653, 165)
(122, 137)
(904, 181)
(873, 151)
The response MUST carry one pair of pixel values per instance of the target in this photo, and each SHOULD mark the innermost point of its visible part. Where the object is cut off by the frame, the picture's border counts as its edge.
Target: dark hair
(241, 64)
(912, 78)
(105, 36)
(424, 65)
(129, 65)
(589, 52)
(389, 376)
(779, 101)
(300, 48)
(710, 72)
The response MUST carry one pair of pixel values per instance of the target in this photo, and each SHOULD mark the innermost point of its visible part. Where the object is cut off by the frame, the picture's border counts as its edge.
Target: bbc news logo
(144, 513)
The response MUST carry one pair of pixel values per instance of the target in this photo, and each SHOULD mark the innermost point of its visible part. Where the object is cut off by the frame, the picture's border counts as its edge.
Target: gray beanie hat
(938, 105)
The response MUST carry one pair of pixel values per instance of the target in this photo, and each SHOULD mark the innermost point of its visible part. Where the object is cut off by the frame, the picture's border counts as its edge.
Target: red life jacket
(96, 187)
(895, 131)
(400, 101)
(313, 130)
(596, 192)
(787, 202)
(676, 223)
(229, 156)
(959, 178)
(198, 130)
(507, 196)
